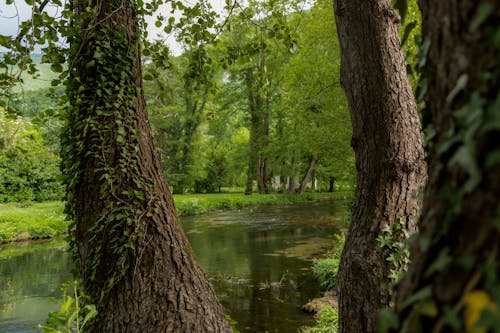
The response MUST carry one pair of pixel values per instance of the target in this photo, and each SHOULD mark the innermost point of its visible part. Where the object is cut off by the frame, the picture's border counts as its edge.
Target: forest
(375, 123)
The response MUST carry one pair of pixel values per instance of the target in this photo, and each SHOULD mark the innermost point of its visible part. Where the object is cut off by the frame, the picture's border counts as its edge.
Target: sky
(12, 15)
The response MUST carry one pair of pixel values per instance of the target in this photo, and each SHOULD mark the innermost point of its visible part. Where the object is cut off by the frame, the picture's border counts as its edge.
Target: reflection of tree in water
(32, 274)
(7, 294)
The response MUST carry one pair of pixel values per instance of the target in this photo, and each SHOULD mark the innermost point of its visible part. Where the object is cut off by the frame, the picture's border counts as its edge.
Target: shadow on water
(257, 259)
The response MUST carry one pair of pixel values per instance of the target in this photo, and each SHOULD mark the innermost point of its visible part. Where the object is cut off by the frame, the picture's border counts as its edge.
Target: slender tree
(135, 261)
(389, 154)
(453, 279)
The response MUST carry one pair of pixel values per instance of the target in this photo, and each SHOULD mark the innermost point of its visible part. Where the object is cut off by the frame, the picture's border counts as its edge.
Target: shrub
(28, 170)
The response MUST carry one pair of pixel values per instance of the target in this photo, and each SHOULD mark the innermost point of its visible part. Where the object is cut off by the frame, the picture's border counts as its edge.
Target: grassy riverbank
(46, 219)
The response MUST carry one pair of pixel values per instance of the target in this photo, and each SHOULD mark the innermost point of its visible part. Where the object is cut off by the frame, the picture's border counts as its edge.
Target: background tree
(135, 261)
(314, 119)
(452, 282)
(389, 154)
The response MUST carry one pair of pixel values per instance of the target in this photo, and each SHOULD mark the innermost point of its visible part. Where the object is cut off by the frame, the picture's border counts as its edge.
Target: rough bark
(388, 149)
(461, 213)
(158, 285)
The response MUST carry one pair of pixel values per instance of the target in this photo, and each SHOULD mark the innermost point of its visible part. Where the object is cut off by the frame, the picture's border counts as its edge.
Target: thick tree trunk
(135, 261)
(455, 259)
(308, 174)
(389, 154)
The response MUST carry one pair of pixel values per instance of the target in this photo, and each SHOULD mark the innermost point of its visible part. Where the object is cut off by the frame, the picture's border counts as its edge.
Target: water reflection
(258, 261)
(27, 280)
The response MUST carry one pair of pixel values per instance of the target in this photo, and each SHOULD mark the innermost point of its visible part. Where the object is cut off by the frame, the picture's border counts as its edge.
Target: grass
(327, 321)
(46, 220)
(34, 221)
(193, 204)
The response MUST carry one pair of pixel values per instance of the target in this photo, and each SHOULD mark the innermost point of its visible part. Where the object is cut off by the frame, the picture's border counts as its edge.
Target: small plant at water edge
(327, 321)
(325, 269)
(74, 314)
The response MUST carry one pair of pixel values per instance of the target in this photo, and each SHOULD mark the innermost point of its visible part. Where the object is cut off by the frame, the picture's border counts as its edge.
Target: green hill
(45, 76)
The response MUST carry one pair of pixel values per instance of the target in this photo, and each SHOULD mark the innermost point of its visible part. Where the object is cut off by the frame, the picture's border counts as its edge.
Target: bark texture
(389, 154)
(461, 209)
(160, 286)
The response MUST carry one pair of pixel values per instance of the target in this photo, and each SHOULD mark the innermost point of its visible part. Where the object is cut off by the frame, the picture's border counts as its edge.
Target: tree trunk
(135, 261)
(331, 186)
(455, 259)
(389, 155)
(307, 176)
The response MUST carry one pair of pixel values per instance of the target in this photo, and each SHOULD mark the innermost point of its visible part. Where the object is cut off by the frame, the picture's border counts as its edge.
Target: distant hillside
(44, 79)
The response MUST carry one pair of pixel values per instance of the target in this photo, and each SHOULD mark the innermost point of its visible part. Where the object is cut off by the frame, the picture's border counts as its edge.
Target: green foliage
(233, 324)
(325, 269)
(327, 321)
(28, 170)
(74, 314)
(395, 240)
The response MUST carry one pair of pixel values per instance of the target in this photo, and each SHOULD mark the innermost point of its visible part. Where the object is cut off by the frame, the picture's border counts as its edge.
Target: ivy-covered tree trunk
(454, 272)
(389, 155)
(135, 261)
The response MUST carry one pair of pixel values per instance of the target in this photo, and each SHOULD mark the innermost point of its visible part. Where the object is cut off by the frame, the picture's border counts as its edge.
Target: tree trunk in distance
(136, 263)
(308, 174)
(389, 155)
(455, 258)
(331, 187)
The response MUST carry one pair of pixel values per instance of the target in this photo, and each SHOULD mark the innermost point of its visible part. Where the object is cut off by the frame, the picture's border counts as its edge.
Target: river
(258, 261)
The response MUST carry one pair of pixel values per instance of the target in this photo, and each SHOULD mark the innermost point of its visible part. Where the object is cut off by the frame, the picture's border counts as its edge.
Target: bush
(28, 170)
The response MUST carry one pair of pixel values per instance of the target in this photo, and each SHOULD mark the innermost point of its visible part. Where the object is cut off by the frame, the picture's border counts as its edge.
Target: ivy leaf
(439, 263)
(482, 14)
(409, 27)
(465, 157)
(387, 320)
(461, 83)
(402, 7)
(424, 293)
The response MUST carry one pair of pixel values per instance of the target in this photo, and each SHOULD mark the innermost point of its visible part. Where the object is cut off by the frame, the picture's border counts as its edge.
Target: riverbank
(20, 222)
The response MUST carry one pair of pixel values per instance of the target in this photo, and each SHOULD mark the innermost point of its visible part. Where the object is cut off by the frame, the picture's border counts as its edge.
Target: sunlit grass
(47, 219)
(31, 221)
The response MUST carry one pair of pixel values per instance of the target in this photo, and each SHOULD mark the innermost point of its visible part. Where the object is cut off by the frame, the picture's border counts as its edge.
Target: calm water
(258, 261)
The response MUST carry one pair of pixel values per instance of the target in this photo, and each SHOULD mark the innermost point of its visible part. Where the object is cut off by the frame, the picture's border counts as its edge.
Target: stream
(258, 261)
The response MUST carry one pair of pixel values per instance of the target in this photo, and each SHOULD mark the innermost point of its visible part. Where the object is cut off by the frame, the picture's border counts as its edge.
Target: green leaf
(402, 7)
(387, 320)
(409, 27)
(461, 83)
(482, 14)
(442, 260)
(425, 292)
(465, 157)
